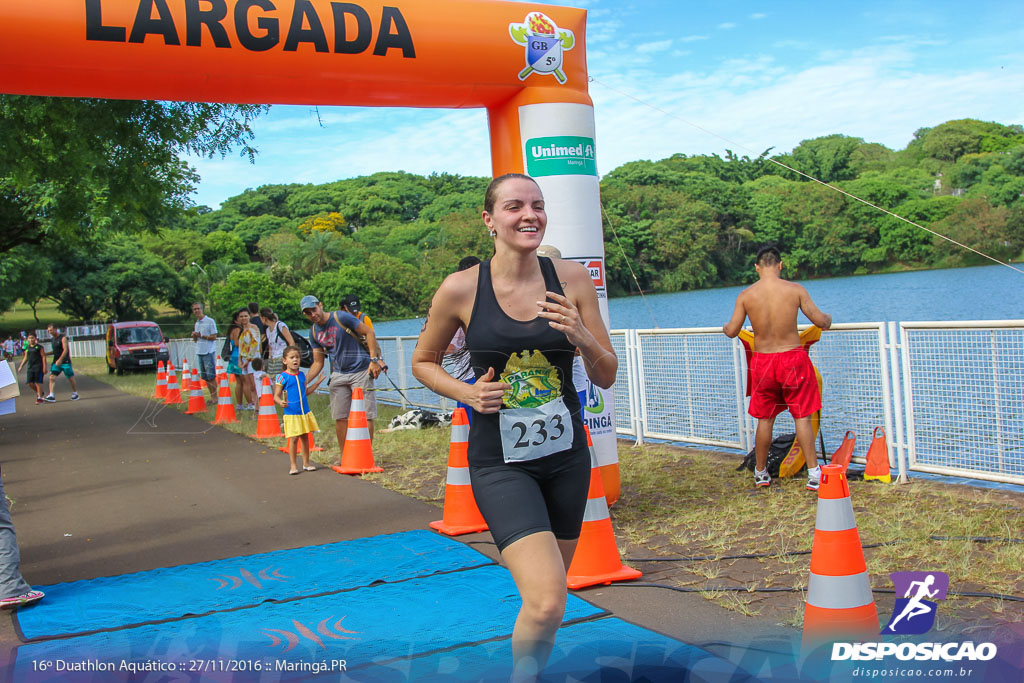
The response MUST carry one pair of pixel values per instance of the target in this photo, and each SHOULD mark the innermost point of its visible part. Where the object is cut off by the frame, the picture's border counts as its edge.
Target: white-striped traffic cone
(225, 402)
(461, 514)
(597, 559)
(196, 400)
(840, 605)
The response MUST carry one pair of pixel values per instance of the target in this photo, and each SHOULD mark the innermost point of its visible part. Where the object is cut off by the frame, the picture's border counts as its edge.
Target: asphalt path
(113, 484)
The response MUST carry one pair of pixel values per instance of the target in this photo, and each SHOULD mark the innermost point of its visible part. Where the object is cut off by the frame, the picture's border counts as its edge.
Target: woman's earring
(494, 233)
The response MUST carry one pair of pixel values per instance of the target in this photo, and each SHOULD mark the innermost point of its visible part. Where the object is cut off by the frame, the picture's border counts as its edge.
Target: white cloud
(726, 25)
(658, 46)
(748, 106)
(758, 15)
(691, 39)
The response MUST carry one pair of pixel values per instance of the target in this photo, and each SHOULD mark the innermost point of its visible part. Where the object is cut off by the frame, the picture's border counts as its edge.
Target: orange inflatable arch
(524, 63)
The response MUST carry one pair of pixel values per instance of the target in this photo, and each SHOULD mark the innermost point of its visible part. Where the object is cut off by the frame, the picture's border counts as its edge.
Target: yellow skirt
(297, 425)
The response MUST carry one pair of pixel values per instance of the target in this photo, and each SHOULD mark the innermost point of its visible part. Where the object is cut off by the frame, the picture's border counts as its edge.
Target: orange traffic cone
(161, 381)
(845, 451)
(267, 424)
(597, 556)
(287, 448)
(461, 515)
(357, 458)
(220, 369)
(173, 392)
(186, 378)
(225, 403)
(839, 601)
(878, 458)
(196, 400)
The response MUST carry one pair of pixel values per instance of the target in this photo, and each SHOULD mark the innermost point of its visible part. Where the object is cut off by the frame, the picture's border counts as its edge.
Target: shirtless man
(780, 369)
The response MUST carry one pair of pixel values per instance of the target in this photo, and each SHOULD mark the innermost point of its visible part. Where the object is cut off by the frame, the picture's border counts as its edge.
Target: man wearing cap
(335, 335)
(351, 304)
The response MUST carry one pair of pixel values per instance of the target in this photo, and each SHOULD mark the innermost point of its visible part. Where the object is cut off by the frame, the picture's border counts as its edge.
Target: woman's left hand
(565, 317)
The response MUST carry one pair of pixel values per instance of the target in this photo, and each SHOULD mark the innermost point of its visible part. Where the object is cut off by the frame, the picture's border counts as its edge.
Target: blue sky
(697, 78)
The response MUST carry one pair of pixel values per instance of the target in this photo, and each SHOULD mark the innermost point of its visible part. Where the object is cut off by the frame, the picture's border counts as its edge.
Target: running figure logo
(914, 613)
(544, 43)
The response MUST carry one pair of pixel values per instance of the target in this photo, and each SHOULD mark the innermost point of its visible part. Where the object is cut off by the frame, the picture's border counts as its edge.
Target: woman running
(524, 317)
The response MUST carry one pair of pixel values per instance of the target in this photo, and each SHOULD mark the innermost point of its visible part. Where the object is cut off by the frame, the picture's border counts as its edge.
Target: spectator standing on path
(279, 337)
(529, 464)
(8, 345)
(244, 346)
(204, 335)
(254, 318)
(335, 335)
(60, 348)
(291, 393)
(351, 304)
(35, 357)
(14, 590)
(781, 373)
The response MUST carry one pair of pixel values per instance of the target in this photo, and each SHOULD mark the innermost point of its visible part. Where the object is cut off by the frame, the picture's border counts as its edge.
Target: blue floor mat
(372, 624)
(591, 651)
(173, 592)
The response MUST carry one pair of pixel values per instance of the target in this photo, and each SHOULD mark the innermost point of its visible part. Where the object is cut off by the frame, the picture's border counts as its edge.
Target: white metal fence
(963, 384)
(950, 395)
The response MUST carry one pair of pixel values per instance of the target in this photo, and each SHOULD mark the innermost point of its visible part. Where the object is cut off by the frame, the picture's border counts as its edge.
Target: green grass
(19, 317)
(678, 502)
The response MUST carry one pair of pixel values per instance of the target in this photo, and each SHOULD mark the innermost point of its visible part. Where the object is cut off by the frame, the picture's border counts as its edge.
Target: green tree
(222, 246)
(976, 224)
(74, 168)
(319, 251)
(243, 286)
(178, 248)
(330, 286)
(828, 158)
(254, 228)
(907, 243)
(24, 274)
(117, 277)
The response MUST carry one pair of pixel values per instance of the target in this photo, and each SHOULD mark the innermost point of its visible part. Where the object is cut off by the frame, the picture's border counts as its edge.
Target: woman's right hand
(485, 395)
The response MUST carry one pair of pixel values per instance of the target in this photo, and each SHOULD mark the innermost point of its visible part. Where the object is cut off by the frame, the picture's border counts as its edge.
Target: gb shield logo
(544, 43)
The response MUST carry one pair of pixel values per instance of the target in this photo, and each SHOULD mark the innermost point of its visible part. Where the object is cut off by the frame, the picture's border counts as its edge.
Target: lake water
(982, 293)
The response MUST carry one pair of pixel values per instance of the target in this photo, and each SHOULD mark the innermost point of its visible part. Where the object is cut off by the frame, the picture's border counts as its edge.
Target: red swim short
(783, 380)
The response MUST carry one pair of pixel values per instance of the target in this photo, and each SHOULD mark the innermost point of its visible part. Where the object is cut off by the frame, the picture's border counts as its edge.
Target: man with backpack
(351, 305)
(336, 335)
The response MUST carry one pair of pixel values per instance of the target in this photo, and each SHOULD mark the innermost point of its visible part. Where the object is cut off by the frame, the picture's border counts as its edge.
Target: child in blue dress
(290, 392)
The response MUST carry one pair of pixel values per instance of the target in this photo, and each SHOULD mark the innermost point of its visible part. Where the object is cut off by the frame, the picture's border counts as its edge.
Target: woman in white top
(279, 337)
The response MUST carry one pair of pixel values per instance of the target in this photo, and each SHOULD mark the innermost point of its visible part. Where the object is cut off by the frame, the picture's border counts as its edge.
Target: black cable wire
(977, 539)
(742, 557)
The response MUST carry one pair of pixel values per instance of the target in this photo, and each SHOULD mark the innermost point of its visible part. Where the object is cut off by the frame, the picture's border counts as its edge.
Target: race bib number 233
(531, 433)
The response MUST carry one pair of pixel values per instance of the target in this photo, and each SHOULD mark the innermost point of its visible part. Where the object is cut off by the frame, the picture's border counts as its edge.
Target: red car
(135, 345)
